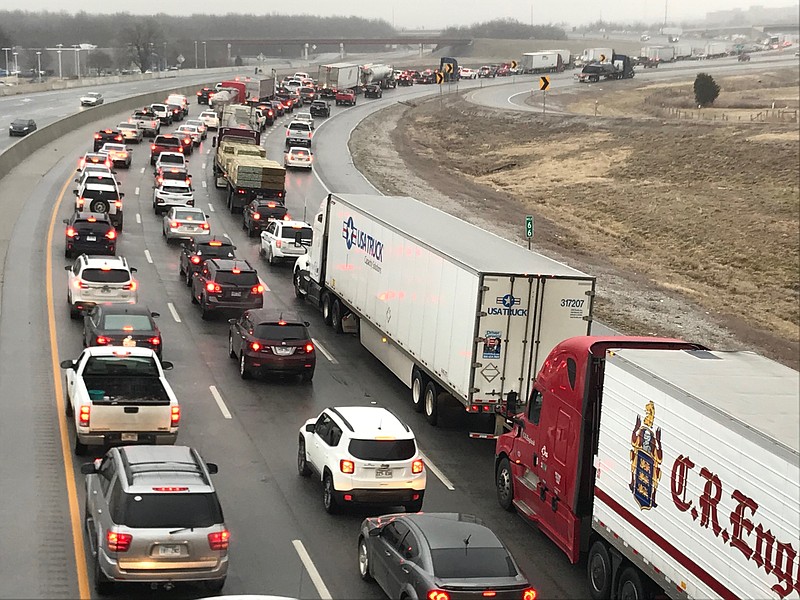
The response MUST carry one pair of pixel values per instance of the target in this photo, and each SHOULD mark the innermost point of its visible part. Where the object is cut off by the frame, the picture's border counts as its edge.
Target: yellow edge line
(66, 451)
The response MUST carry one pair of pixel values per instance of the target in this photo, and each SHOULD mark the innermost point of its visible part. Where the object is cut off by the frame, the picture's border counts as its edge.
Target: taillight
(152, 147)
(213, 287)
(175, 416)
(489, 594)
(256, 216)
(79, 202)
(417, 466)
(257, 289)
(438, 595)
(71, 232)
(118, 542)
(111, 234)
(309, 348)
(180, 149)
(118, 203)
(84, 415)
(205, 226)
(81, 284)
(97, 136)
(101, 340)
(132, 285)
(347, 466)
(529, 594)
(278, 243)
(287, 217)
(155, 341)
(255, 346)
(173, 225)
(187, 140)
(195, 260)
(219, 540)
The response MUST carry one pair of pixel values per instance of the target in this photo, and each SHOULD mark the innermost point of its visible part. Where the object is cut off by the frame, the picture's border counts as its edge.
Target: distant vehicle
(125, 325)
(347, 96)
(320, 108)
(106, 136)
(644, 38)
(92, 99)
(744, 57)
(373, 90)
(21, 127)
(297, 158)
(185, 223)
(467, 73)
(131, 132)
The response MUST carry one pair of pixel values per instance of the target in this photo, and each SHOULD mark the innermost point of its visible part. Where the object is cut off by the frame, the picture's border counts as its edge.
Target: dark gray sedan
(21, 127)
(438, 556)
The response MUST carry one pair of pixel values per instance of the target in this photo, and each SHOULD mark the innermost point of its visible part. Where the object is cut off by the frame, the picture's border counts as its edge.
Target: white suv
(362, 454)
(172, 192)
(285, 239)
(95, 279)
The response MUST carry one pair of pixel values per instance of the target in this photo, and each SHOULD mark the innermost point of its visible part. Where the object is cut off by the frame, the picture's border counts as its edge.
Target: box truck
(337, 76)
(542, 62)
(659, 53)
(591, 55)
(683, 51)
(674, 468)
(446, 306)
(715, 49)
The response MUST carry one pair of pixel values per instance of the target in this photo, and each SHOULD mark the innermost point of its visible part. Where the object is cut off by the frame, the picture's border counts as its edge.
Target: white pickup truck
(118, 395)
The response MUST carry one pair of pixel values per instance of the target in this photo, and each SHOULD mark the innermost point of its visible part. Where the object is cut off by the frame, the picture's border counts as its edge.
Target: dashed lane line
(174, 312)
(220, 402)
(435, 470)
(325, 352)
(316, 578)
(148, 257)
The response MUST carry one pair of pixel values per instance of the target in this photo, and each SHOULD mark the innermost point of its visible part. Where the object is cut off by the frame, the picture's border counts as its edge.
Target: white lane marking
(208, 151)
(435, 470)
(136, 191)
(141, 170)
(322, 183)
(316, 579)
(174, 312)
(514, 96)
(327, 354)
(210, 207)
(148, 257)
(203, 183)
(218, 399)
(138, 218)
(204, 165)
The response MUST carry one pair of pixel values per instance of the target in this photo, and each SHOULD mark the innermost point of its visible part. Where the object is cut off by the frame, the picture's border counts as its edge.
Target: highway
(248, 427)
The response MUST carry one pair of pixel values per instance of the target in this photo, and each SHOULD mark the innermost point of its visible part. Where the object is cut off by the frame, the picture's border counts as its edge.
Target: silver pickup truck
(299, 133)
(148, 121)
(118, 395)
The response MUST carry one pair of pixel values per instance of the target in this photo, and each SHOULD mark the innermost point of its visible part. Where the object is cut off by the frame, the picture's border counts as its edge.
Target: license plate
(236, 294)
(169, 550)
(280, 351)
(129, 342)
(383, 473)
(91, 238)
(130, 437)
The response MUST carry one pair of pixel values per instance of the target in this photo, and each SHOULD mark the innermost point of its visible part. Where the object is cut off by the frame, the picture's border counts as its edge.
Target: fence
(769, 115)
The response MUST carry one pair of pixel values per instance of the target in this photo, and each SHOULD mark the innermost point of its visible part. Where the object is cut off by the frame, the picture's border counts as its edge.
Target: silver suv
(152, 516)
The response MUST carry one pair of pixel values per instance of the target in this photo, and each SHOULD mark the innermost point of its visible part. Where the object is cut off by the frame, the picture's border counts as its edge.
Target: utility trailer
(446, 306)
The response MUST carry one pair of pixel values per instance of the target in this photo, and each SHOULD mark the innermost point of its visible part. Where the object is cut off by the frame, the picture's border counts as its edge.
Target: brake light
(195, 260)
(287, 217)
(347, 466)
(438, 595)
(118, 542)
(215, 243)
(155, 341)
(219, 540)
(205, 226)
(102, 340)
(81, 284)
(132, 286)
(170, 489)
(187, 140)
(199, 93)
(309, 348)
(213, 287)
(489, 594)
(71, 232)
(91, 220)
(255, 346)
(152, 147)
(112, 234)
(257, 289)
(236, 271)
(417, 466)
(79, 202)
(529, 594)
(175, 416)
(278, 243)
(173, 225)
(118, 138)
(84, 415)
(97, 136)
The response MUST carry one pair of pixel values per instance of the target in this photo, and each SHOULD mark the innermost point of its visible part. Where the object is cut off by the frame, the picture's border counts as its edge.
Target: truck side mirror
(155, 315)
(310, 427)
(67, 364)
(167, 366)
(213, 469)
(88, 468)
(214, 142)
(511, 403)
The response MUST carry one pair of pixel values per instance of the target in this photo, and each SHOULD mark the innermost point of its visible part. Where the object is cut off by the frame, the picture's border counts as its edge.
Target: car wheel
(302, 463)
(188, 278)
(337, 312)
(504, 485)
(298, 292)
(307, 376)
(80, 449)
(363, 560)
(67, 253)
(417, 390)
(250, 230)
(326, 308)
(271, 257)
(194, 298)
(244, 371)
(102, 584)
(231, 352)
(68, 411)
(432, 403)
(181, 270)
(329, 495)
(414, 506)
(205, 314)
(598, 565)
(215, 585)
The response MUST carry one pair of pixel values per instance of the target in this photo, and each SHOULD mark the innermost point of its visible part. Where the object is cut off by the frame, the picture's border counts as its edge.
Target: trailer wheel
(504, 483)
(631, 586)
(337, 313)
(326, 308)
(432, 403)
(417, 389)
(599, 568)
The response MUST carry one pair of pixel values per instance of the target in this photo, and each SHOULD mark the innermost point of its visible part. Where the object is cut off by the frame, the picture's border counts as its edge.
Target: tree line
(509, 29)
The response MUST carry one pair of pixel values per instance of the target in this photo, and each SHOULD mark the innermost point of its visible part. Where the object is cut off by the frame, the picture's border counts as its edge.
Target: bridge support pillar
(421, 47)
(341, 50)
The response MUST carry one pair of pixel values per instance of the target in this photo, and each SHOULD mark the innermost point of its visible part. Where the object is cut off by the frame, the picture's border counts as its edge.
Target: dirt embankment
(692, 228)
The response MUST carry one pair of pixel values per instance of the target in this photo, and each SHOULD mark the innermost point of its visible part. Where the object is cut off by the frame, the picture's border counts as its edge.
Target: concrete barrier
(50, 133)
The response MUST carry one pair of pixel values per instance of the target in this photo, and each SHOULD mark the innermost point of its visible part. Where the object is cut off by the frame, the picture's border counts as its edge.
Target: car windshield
(91, 226)
(472, 563)
(273, 331)
(128, 322)
(189, 215)
(299, 126)
(106, 275)
(20, 123)
(176, 189)
(247, 278)
(383, 449)
(167, 510)
(133, 366)
(290, 233)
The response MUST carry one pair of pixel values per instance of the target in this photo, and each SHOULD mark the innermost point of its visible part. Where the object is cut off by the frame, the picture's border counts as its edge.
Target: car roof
(90, 216)
(103, 187)
(176, 183)
(274, 315)
(94, 261)
(372, 422)
(294, 224)
(448, 530)
(163, 465)
(115, 308)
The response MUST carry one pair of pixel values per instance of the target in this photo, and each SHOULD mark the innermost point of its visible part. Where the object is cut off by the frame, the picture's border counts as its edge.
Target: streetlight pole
(7, 50)
(165, 56)
(205, 57)
(59, 60)
(195, 54)
(39, 65)
(16, 63)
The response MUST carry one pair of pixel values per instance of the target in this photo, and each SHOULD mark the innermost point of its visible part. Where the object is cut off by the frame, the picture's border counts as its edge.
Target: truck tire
(432, 403)
(99, 206)
(418, 381)
(599, 571)
(631, 586)
(337, 312)
(119, 225)
(504, 484)
(298, 292)
(326, 308)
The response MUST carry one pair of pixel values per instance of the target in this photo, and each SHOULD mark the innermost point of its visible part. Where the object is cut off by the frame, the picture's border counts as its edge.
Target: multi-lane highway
(283, 542)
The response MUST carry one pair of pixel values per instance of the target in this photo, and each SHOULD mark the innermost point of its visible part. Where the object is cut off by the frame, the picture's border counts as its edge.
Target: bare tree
(142, 37)
(100, 60)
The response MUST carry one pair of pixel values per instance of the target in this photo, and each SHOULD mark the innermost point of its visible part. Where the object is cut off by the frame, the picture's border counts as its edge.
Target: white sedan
(467, 73)
(298, 158)
(92, 99)
(210, 118)
(185, 223)
(193, 132)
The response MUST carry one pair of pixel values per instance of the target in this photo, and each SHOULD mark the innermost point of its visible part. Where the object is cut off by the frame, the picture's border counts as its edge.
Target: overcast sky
(433, 14)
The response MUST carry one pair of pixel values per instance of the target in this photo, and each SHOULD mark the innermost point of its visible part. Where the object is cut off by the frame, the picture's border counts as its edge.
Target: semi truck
(120, 395)
(382, 75)
(260, 89)
(447, 307)
(715, 49)
(674, 469)
(337, 76)
(683, 51)
(621, 67)
(542, 62)
(659, 53)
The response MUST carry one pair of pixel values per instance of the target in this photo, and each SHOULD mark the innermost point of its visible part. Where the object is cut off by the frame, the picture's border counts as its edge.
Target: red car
(346, 97)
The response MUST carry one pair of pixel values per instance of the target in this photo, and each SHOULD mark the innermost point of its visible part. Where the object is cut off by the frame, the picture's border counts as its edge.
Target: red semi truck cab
(239, 86)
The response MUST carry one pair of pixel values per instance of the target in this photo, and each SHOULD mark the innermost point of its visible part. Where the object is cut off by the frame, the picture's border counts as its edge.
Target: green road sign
(529, 226)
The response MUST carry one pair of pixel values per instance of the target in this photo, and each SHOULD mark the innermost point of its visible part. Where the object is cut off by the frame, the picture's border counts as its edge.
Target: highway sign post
(529, 229)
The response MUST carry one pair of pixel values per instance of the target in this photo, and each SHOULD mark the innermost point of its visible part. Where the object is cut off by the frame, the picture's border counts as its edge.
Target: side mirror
(113, 172)
(88, 468)
(213, 469)
(122, 194)
(511, 403)
(134, 269)
(75, 192)
(231, 321)
(306, 323)
(286, 151)
(155, 315)
(77, 181)
(77, 171)
(68, 268)
(286, 127)
(214, 141)
(376, 532)
(167, 366)
(65, 221)
(208, 217)
(311, 427)
(67, 364)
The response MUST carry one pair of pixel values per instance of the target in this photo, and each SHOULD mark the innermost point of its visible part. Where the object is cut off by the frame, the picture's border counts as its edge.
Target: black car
(438, 555)
(373, 90)
(177, 112)
(194, 252)
(261, 211)
(226, 284)
(106, 136)
(187, 143)
(89, 233)
(277, 106)
(320, 108)
(271, 340)
(204, 94)
(21, 127)
(126, 325)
